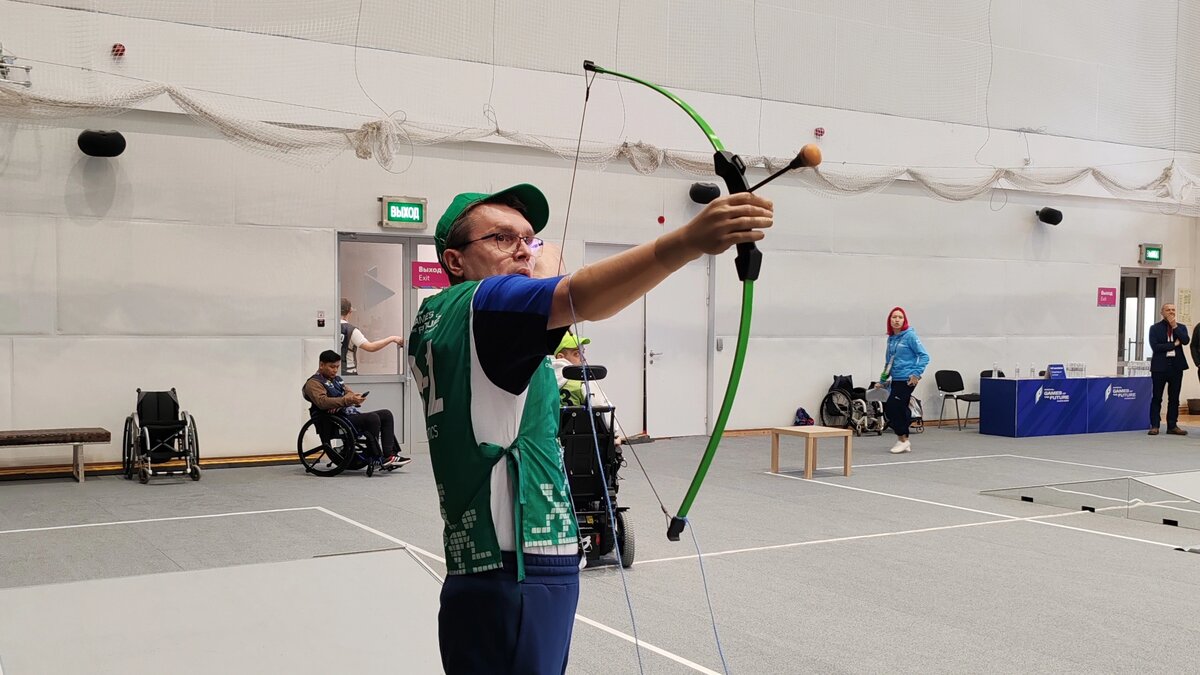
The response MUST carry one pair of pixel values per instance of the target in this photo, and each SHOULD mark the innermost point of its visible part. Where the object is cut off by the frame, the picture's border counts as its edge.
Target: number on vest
(433, 404)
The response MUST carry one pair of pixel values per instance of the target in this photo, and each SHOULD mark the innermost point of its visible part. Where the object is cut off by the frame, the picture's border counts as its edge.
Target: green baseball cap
(569, 341)
(537, 210)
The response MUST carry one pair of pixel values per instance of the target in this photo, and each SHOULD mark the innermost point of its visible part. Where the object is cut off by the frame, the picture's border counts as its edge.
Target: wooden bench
(810, 435)
(73, 437)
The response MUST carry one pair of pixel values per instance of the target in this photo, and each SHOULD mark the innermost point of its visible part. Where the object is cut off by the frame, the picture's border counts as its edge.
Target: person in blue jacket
(906, 362)
(1167, 363)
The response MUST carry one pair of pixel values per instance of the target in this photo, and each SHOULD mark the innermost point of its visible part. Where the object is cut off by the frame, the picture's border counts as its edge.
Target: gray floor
(901, 567)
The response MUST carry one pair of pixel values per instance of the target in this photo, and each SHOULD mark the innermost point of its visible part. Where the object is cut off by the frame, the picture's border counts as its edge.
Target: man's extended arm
(602, 289)
(380, 344)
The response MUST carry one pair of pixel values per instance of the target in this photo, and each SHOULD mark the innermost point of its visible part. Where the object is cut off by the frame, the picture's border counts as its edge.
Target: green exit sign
(1151, 254)
(402, 212)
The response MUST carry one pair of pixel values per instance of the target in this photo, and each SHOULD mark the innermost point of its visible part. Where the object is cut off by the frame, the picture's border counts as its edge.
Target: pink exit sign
(1106, 297)
(429, 275)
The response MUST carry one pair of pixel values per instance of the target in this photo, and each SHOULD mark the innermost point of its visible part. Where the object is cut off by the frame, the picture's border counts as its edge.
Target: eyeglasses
(507, 242)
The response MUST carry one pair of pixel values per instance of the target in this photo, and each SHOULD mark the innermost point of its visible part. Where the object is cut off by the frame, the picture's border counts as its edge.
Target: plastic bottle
(995, 373)
(1032, 370)
(1017, 371)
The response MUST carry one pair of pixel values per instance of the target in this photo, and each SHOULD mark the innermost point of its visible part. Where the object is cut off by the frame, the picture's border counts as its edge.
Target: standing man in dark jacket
(1167, 364)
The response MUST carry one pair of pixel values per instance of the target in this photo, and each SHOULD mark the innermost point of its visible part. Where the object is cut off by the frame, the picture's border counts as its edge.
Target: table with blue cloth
(1048, 407)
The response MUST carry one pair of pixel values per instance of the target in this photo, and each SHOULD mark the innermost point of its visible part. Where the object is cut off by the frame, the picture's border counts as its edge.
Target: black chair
(992, 373)
(950, 386)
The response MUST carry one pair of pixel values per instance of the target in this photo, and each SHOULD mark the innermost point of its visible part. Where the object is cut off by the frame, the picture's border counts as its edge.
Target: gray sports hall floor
(901, 567)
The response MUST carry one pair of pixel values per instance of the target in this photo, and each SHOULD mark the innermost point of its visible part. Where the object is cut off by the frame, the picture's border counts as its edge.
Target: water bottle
(1017, 371)
(995, 373)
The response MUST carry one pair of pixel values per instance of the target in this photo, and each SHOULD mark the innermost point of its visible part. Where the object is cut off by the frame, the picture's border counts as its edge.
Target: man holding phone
(326, 391)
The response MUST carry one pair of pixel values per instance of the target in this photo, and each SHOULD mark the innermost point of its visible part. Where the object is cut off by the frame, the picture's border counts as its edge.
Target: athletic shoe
(901, 446)
(396, 461)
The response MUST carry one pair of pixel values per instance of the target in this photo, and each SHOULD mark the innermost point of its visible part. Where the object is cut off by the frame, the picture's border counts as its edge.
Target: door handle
(653, 354)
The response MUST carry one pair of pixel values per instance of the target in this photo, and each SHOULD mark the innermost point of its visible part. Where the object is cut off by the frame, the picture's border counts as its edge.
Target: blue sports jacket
(906, 354)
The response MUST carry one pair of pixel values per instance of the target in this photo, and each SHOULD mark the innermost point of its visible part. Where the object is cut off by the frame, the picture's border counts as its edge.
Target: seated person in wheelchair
(571, 392)
(326, 391)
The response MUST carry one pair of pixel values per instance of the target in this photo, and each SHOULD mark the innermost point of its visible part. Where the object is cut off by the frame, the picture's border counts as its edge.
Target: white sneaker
(901, 446)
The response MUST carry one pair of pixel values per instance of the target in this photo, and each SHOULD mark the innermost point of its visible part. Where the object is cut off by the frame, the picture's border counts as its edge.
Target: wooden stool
(810, 434)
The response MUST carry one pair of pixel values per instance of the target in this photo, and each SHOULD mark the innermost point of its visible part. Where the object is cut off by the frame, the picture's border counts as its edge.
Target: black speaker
(703, 193)
(101, 143)
(1049, 216)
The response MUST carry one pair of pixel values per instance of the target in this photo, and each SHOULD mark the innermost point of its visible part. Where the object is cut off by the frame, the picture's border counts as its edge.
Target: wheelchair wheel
(195, 472)
(127, 449)
(366, 453)
(859, 420)
(193, 440)
(325, 452)
(836, 409)
(143, 475)
(625, 539)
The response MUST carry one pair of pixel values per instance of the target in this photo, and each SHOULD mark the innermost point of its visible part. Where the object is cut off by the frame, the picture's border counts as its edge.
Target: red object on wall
(819, 132)
(118, 50)
(662, 219)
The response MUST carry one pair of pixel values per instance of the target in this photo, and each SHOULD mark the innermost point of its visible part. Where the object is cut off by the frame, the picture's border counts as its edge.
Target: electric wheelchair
(329, 444)
(159, 432)
(592, 478)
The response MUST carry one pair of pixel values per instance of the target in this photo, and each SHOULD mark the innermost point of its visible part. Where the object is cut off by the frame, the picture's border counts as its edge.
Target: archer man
(480, 351)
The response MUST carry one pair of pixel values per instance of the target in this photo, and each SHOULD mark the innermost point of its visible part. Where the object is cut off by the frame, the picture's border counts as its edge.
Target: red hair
(889, 319)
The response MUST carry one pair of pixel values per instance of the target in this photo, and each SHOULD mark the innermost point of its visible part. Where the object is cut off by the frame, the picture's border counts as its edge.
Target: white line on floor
(814, 542)
(647, 646)
(1093, 466)
(384, 535)
(886, 494)
(158, 520)
(988, 513)
(1106, 534)
(835, 540)
(914, 461)
(591, 622)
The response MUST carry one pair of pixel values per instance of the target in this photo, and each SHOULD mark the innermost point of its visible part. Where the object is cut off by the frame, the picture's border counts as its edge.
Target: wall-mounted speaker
(101, 143)
(703, 193)
(1049, 216)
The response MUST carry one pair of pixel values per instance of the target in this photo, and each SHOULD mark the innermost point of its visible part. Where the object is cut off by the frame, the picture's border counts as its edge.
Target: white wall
(192, 263)
(980, 287)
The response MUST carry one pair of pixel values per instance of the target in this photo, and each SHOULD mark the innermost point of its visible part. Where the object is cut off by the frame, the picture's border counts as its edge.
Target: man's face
(572, 355)
(1168, 313)
(329, 370)
(482, 259)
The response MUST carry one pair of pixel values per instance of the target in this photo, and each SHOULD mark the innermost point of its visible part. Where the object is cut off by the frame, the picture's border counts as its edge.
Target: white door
(372, 276)
(618, 344)
(677, 353)
(656, 353)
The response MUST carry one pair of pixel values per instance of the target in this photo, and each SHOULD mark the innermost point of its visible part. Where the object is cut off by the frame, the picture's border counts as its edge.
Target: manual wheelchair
(862, 410)
(329, 444)
(158, 432)
(591, 480)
